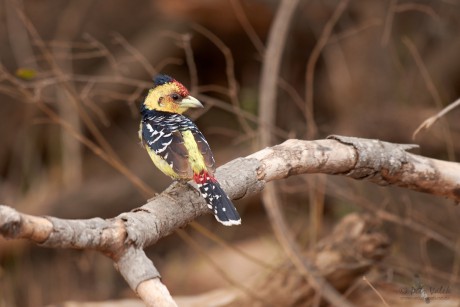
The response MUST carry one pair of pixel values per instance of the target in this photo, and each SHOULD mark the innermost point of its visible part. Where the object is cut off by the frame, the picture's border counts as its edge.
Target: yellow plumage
(162, 165)
(178, 148)
(195, 157)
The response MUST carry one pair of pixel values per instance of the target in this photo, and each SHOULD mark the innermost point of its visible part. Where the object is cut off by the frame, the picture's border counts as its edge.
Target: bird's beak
(190, 102)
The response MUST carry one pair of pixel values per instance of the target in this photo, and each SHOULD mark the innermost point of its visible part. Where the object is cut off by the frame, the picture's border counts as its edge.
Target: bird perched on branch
(178, 148)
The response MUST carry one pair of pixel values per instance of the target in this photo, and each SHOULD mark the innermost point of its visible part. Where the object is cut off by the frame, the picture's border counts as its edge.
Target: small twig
(432, 89)
(276, 131)
(186, 237)
(406, 221)
(230, 73)
(311, 64)
(85, 97)
(215, 238)
(373, 22)
(433, 119)
(247, 27)
(104, 51)
(388, 24)
(135, 53)
(270, 68)
(18, 37)
(376, 292)
(428, 10)
(292, 92)
(258, 44)
(193, 71)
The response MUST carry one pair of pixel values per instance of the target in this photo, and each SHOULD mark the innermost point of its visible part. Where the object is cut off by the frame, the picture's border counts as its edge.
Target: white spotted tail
(216, 199)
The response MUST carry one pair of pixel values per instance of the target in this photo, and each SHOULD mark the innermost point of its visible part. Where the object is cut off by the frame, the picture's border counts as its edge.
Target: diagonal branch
(124, 237)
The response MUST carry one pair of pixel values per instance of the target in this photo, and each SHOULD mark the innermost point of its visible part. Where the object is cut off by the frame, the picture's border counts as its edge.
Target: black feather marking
(162, 132)
(205, 150)
(221, 206)
(161, 79)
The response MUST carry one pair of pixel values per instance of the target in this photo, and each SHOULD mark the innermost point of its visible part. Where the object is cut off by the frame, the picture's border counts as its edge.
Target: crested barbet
(178, 148)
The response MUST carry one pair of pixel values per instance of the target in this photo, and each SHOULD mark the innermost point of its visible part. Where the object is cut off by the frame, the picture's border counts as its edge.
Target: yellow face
(170, 97)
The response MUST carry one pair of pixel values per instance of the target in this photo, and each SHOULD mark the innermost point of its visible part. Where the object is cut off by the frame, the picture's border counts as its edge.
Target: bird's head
(169, 95)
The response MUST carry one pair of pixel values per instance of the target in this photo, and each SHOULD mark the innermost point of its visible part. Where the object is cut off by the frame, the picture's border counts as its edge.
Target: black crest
(161, 79)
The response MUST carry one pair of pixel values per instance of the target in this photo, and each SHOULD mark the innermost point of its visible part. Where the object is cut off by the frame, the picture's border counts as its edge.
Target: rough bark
(124, 237)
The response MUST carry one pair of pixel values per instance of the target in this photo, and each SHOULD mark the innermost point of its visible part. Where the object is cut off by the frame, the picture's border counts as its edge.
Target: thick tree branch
(123, 238)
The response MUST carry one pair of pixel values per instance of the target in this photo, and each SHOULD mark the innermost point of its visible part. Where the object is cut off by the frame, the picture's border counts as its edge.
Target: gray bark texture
(124, 237)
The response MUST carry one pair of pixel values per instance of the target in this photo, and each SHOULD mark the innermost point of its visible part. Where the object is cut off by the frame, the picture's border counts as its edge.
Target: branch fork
(124, 237)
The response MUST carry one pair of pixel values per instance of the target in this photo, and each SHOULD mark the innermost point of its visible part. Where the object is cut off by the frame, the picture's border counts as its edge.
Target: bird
(178, 148)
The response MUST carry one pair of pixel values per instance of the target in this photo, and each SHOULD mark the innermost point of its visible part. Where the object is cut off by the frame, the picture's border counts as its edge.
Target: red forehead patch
(181, 89)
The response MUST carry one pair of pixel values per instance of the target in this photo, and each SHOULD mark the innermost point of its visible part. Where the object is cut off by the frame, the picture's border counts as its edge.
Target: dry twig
(433, 90)
(311, 64)
(433, 119)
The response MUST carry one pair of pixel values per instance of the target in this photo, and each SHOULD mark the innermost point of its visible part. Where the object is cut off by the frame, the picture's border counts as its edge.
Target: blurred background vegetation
(73, 73)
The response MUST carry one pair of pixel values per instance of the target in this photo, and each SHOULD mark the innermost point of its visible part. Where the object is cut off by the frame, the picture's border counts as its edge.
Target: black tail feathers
(222, 207)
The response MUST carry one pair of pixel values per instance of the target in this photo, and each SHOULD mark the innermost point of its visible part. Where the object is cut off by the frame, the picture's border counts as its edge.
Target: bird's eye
(175, 97)
(160, 102)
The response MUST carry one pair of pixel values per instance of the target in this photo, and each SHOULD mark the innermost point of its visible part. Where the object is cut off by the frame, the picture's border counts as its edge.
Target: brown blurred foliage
(386, 67)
